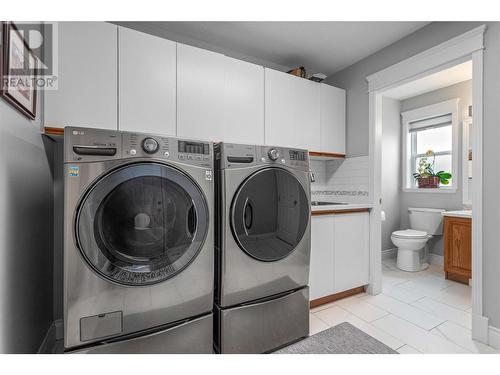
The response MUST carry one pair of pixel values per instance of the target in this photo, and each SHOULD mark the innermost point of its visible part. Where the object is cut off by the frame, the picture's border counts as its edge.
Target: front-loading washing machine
(263, 246)
(138, 243)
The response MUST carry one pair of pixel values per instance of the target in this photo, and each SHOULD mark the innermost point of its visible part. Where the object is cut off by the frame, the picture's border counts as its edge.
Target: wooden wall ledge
(53, 131)
(326, 155)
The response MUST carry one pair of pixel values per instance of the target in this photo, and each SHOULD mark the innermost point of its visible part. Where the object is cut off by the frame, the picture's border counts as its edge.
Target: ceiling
(325, 47)
(444, 78)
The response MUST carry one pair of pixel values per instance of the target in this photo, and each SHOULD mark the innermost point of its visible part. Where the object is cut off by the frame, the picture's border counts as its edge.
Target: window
(431, 128)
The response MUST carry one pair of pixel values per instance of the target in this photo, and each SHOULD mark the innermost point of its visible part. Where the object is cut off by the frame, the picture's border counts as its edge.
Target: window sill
(441, 190)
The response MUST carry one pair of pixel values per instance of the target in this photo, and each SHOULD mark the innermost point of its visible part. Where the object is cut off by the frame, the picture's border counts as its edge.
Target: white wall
(26, 216)
(353, 79)
(391, 169)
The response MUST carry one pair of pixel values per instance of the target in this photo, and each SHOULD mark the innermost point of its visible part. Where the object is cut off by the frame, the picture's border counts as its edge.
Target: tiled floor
(418, 312)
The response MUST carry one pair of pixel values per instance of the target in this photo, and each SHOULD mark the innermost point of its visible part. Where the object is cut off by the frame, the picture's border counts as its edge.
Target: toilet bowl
(425, 223)
(410, 242)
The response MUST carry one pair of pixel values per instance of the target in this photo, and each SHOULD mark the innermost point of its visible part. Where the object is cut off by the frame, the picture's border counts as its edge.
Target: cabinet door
(87, 77)
(457, 238)
(333, 107)
(292, 111)
(321, 275)
(147, 83)
(200, 93)
(352, 256)
(243, 102)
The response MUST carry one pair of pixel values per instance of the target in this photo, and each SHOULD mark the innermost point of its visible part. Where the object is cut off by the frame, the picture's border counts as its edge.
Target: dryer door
(142, 223)
(269, 214)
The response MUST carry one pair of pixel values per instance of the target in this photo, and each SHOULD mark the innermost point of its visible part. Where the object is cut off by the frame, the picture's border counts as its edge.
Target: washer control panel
(88, 145)
(167, 148)
(193, 151)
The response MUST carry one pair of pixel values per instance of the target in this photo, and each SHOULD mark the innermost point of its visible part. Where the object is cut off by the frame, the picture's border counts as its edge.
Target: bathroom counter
(467, 214)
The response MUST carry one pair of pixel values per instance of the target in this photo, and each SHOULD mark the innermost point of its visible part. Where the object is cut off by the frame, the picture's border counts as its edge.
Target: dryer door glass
(270, 214)
(142, 223)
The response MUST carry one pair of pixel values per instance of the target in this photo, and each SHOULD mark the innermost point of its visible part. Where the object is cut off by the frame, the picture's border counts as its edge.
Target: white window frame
(434, 110)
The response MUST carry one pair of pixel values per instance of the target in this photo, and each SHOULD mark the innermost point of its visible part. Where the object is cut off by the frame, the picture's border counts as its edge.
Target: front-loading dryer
(138, 243)
(262, 247)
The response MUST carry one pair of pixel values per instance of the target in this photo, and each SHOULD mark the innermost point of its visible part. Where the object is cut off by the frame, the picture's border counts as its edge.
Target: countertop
(341, 207)
(459, 213)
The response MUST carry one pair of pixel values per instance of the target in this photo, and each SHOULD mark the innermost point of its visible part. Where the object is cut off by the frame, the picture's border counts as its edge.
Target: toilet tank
(428, 220)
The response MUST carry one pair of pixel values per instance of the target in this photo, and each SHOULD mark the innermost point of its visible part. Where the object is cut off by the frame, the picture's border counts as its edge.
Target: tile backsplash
(341, 180)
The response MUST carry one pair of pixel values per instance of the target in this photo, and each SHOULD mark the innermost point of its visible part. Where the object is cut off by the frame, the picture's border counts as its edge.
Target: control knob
(273, 154)
(150, 145)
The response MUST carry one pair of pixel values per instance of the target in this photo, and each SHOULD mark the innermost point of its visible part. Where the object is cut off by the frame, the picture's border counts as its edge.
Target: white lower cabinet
(339, 253)
(352, 251)
(322, 257)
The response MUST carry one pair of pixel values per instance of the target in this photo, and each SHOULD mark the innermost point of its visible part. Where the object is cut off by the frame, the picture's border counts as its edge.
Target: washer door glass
(270, 213)
(142, 224)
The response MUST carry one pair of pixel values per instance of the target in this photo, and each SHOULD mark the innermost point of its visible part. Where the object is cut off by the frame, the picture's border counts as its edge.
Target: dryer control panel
(234, 156)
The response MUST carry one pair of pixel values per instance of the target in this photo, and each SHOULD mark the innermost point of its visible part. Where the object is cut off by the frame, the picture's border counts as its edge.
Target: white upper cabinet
(292, 107)
(333, 107)
(243, 102)
(87, 77)
(200, 93)
(147, 83)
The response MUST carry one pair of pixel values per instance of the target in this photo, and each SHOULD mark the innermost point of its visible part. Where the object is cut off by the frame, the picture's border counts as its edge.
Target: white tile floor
(418, 312)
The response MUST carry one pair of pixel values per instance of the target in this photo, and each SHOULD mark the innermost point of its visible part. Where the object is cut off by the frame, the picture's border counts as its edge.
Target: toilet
(424, 223)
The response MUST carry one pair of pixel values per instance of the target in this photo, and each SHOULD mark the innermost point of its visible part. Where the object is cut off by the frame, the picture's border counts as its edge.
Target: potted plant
(425, 175)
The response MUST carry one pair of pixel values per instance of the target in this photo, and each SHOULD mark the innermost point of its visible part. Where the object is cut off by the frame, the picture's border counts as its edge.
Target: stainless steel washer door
(142, 224)
(269, 214)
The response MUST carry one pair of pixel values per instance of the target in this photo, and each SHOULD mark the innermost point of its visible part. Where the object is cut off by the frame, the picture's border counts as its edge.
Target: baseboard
(59, 329)
(494, 337)
(480, 329)
(49, 340)
(389, 253)
(335, 297)
(436, 259)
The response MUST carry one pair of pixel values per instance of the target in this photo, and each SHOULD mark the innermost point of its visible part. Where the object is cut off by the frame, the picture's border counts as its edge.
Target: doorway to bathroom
(425, 143)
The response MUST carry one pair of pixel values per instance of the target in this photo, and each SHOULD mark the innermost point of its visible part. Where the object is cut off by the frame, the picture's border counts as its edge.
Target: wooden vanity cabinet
(457, 248)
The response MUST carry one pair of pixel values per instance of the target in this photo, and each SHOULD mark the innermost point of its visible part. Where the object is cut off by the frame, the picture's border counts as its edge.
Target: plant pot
(428, 182)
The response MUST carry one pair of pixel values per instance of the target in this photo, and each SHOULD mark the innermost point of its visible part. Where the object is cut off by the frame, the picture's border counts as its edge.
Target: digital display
(297, 155)
(193, 147)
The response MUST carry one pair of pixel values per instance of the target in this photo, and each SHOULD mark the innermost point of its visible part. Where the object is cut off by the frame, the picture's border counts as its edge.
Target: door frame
(466, 46)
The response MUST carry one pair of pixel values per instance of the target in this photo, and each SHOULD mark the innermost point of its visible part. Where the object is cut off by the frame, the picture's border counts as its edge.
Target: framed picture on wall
(18, 71)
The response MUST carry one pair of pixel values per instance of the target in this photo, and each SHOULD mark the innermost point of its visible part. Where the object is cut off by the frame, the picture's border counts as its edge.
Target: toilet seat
(410, 234)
